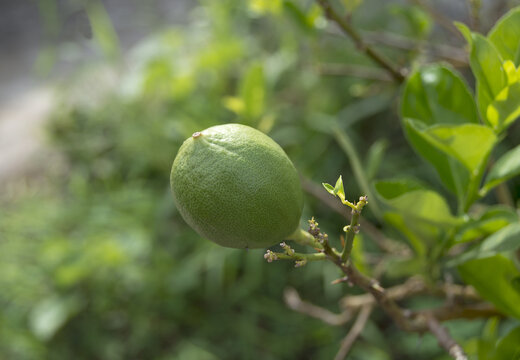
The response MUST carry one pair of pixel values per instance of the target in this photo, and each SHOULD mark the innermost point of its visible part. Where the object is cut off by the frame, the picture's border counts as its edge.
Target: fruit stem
(302, 237)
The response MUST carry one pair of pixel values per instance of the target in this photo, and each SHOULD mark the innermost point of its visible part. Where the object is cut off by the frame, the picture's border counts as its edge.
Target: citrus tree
(409, 116)
(467, 257)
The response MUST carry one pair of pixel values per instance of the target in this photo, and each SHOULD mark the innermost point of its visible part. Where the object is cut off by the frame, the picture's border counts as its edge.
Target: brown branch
(355, 36)
(363, 72)
(445, 340)
(454, 55)
(413, 287)
(471, 311)
(294, 302)
(354, 332)
(474, 17)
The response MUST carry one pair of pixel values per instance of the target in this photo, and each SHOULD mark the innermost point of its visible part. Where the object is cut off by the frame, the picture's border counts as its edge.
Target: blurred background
(95, 99)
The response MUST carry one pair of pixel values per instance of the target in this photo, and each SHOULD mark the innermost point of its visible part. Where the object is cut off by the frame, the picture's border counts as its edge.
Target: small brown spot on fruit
(196, 134)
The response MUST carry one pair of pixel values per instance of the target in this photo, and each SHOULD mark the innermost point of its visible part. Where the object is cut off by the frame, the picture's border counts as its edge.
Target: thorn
(342, 238)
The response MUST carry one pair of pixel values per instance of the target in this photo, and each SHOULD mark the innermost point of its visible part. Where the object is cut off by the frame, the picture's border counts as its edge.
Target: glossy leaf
(329, 188)
(452, 173)
(504, 240)
(504, 169)
(459, 141)
(486, 65)
(437, 95)
(338, 188)
(504, 109)
(494, 219)
(414, 202)
(415, 233)
(508, 348)
(505, 35)
(492, 278)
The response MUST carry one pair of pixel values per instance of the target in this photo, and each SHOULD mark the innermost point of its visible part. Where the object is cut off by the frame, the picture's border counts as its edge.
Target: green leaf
(492, 277)
(298, 16)
(414, 202)
(338, 189)
(504, 240)
(437, 95)
(486, 64)
(252, 91)
(391, 189)
(494, 219)
(415, 232)
(504, 169)
(375, 156)
(505, 36)
(486, 343)
(504, 109)
(459, 142)
(102, 29)
(329, 188)
(508, 348)
(452, 173)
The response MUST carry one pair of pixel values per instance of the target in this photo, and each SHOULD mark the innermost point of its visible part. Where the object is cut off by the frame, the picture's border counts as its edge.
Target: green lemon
(235, 186)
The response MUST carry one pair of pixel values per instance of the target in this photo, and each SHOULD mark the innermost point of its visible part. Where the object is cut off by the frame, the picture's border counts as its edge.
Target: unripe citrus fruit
(235, 186)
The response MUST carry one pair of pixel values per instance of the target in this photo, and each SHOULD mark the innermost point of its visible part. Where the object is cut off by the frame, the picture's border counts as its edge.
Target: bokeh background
(95, 99)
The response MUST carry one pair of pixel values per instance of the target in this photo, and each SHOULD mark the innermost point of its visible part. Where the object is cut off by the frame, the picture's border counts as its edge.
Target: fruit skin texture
(235, 186)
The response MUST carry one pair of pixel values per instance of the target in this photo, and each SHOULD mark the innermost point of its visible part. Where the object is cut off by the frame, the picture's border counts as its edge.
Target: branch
(474, 17)
(363, 72)
(413, 287)
(294, 302)
(354, 332)
(352, 229)
(359, 42)
(445, 340)
(472, 311)
(446, 52)
(384, 243)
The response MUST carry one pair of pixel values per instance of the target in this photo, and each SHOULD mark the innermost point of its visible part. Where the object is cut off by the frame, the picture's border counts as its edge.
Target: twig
(474, 10)
(352, 229)
(384, 243)
(504, 195)
(413, 287)
(363, 72)
(471, 311)
(445, 340)
(354, 332)
(446, 52)
(438, 17)
(294, 302)
(358, 41)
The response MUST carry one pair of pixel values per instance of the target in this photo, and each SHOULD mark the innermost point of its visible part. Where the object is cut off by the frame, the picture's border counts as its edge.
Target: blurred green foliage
(96, 262)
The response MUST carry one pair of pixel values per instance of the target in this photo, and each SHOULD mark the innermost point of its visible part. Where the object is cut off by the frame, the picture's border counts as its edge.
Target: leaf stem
(302, 237)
